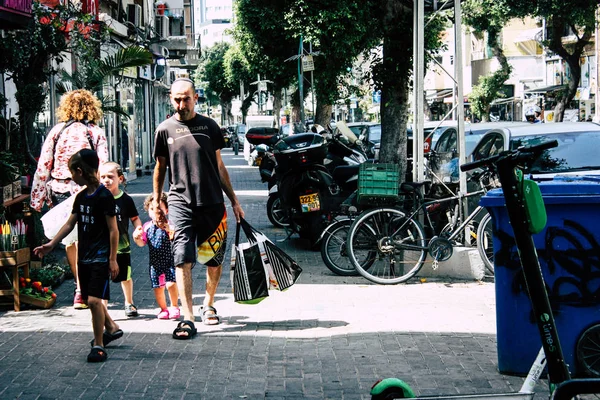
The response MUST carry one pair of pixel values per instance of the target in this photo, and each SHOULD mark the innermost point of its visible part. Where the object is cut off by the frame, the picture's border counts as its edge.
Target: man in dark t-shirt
(190, 145)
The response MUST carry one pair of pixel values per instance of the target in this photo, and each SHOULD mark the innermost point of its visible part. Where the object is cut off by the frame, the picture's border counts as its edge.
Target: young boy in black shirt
(94, 214)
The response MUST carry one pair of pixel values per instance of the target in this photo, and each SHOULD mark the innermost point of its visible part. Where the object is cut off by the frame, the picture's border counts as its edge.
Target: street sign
(262, 86)
(307, 63)
(377, 97)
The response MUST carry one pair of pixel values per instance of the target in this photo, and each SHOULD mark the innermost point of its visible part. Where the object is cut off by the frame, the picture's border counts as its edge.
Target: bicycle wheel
(334, 251)
(588, 351)
(485, 243)
(393, 258)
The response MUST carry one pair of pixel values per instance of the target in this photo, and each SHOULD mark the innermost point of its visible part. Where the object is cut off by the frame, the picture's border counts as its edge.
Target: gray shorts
(200, 234)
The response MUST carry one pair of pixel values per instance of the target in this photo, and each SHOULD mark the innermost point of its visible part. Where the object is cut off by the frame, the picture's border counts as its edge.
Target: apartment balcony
(183, 50)
(169, 24)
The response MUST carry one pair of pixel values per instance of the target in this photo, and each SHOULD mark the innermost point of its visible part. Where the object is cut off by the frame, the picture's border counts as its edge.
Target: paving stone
(327, 337)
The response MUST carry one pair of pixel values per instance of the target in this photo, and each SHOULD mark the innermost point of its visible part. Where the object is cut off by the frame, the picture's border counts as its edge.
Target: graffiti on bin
(570, 262)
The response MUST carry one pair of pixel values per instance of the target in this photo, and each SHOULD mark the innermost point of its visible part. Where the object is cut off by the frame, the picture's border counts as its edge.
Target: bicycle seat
(344, 172)
(409, 187)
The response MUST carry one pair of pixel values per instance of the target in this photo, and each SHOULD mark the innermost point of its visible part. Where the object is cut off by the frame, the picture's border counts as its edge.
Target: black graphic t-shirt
(189, 147)
(125, 210)
(92, 229)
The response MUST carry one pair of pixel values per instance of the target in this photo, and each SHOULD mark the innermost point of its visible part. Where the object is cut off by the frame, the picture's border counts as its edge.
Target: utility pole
(312, 84)
(261, 87)
(305, 64)
(301, 79)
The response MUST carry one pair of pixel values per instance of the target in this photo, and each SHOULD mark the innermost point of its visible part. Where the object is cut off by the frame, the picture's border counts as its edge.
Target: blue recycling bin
(569, 253)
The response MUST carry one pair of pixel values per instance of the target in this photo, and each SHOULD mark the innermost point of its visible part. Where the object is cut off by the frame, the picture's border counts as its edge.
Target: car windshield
(356, 129)
(471, 141)
(576, 151)
(435, 135)
(375, 134)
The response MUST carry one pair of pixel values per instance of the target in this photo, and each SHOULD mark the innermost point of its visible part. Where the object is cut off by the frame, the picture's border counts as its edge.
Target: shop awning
(15, 14)
(506, 100)
(529, 40)
(545, 89)
(438, 94)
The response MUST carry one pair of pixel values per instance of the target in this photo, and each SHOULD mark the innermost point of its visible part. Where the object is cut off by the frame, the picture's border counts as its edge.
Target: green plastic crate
(378, 183)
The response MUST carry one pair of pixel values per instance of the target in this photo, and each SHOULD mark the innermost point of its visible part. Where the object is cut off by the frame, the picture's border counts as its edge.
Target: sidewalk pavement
(327, 337)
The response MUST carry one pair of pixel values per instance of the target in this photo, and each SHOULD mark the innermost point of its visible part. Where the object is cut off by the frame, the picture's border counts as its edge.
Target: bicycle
(333, 238)
(395, 241)
(527, 216)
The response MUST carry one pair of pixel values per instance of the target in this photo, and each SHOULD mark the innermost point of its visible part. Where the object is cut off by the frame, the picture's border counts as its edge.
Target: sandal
(186, 327)
(109, 337)
(174, 313)
(97, 354)
(163, 314)
(131, 311)
(209, 316)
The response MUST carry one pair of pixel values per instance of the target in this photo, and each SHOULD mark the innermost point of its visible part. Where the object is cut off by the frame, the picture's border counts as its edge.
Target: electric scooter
(527, 216)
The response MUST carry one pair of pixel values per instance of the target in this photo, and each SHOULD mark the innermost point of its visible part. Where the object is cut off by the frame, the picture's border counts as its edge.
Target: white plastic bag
(54, 219)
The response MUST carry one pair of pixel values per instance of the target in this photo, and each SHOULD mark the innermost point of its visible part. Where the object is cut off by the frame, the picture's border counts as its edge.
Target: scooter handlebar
(523, 152)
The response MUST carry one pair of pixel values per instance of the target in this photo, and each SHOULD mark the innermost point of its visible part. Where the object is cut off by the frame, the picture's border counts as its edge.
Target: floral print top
(53, 169)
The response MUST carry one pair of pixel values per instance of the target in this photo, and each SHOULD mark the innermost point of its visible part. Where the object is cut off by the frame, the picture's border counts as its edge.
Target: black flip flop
(97, 354)
(109, 337)
(190, 330)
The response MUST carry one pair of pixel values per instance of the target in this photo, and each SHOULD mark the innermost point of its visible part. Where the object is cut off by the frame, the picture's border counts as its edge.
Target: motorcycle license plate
(310, 202)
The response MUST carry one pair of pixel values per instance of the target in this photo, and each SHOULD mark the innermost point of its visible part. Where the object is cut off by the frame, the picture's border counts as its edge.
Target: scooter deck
(491, 396)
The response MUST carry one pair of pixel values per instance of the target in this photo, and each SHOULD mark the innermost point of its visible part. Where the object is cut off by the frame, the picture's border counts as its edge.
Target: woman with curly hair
(79, 111)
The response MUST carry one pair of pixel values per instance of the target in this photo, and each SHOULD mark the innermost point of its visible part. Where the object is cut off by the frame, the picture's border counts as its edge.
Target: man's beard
(183, 114)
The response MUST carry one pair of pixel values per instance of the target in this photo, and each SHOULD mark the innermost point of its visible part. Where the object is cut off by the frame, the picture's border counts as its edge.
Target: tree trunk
(572, 59)
(323, 114)
(573, 83)
(26, 123)
(277, 101)
(397, 62)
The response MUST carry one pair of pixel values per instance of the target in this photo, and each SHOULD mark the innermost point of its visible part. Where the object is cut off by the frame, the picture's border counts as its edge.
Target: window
(490, 145)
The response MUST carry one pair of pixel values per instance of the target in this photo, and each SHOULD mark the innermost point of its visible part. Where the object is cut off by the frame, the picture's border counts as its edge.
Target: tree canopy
(563, 18)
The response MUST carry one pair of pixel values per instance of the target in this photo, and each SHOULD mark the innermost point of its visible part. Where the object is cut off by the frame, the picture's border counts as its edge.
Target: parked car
(443, 159)
(240, 131)
(575, 155)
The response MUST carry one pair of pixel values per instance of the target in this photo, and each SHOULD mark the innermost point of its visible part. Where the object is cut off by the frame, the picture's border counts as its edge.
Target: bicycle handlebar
(522, 152)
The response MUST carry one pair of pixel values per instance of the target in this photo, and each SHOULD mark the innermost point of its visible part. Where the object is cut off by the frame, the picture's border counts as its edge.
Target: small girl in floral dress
(162, 265)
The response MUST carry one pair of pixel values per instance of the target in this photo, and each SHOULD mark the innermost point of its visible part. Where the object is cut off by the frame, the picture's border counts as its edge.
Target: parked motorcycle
(307, 192)
(257, 155)
(226, 137)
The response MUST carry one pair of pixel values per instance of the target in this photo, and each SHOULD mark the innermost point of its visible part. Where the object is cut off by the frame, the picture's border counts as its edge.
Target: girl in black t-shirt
(94, 214)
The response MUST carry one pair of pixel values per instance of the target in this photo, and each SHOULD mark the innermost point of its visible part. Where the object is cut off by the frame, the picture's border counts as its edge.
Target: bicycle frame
(423, 208)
